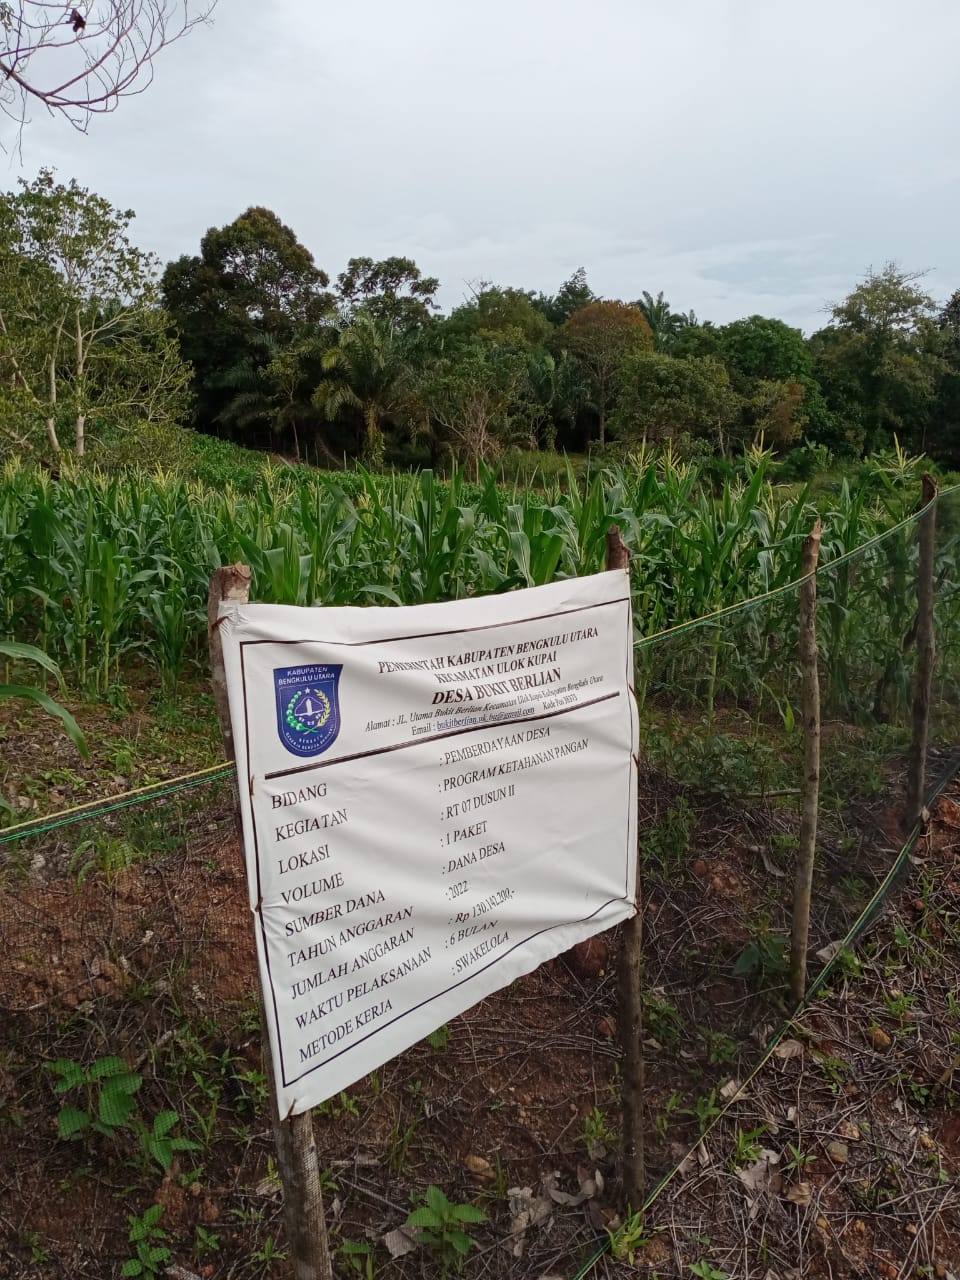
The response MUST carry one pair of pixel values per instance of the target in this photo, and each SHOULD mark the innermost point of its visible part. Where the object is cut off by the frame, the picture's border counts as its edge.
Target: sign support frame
(296, 1147)
(296, 1150)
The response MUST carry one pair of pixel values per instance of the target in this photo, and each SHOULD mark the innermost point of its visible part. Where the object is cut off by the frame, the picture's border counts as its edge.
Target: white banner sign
(435, 800)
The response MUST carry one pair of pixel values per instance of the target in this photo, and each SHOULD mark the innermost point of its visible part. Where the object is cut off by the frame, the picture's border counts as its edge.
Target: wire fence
(136, 895)
(125, 932)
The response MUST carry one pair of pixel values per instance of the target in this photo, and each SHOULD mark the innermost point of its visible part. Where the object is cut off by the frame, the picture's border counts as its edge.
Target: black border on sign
(499, 955)
(433, 737)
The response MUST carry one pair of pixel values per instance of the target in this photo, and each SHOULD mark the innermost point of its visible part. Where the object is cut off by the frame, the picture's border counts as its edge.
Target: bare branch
(81, 61)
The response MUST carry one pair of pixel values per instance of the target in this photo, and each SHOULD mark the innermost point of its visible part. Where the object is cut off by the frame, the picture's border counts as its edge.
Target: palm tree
(542, 381)
(249, 403)
(371, 372)
(666, 324)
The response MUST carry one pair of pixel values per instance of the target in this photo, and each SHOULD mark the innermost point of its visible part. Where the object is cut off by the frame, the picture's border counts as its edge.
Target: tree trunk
(79, 438)
(373, 444)
(51, 427)
(296, 1149)
(51, 419)
(810, 790)
(926, 652)
(629, 978)
(19, 378)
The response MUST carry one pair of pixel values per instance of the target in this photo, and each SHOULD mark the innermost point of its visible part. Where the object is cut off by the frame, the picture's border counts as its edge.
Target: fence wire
(722, 764)
(125, 934)
(136, 900)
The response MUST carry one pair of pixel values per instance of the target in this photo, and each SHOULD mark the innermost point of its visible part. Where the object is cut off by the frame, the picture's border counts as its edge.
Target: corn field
(104, 571)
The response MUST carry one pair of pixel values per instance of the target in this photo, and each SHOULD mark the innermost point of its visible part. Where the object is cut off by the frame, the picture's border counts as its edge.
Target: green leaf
(72, 1121)
(468, 1213)
(164, 1122)
(747, 962)
(116, 1099)
(460, 1241)
(133, 1267)
(106, 1067)
(372, 589)
(162, 1151)
(424, 1217)
(48, 704)
(29, 653)
(437, 1201)
(128, 1083)
(152, 1215)
(71, 1073)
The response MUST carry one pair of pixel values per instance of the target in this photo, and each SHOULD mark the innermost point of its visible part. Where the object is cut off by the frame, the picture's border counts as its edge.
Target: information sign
(435, 800)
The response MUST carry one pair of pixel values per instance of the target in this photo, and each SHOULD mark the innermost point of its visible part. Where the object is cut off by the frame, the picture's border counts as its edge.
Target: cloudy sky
(741, 155)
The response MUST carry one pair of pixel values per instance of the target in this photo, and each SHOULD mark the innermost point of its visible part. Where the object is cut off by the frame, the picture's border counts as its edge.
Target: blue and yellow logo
(308, 707)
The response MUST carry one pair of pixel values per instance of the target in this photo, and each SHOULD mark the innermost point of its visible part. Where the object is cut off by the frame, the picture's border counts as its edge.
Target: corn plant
(12, 651)
(98, 571)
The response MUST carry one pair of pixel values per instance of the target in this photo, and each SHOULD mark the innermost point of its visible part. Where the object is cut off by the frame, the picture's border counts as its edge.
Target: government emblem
(308, 707)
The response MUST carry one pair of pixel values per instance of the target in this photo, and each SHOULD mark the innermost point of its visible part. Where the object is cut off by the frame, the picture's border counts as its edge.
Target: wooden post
(296, 1150)
(926, 651)
(810, 787)
(631, 1000)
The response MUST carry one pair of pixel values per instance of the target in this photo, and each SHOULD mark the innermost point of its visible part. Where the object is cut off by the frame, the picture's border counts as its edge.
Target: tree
(393, 290)
(542, 388)
(839, 382)
(371, 373)
(507, 313)
(81, 63)
(253, 292)
(474, 401)
(945, 441)
(757, 347)
(886, 304)
(948, 320)
(698, 340)
(81, 331)
(247, 401)
(573, 295)
(291, 377)
(276, 393)
(776, 411)
(772, 368)
(660, 396)
(879, 360)
(30, 294)
(265, 276)
(666, 324)
(601, 336)
(571, 397)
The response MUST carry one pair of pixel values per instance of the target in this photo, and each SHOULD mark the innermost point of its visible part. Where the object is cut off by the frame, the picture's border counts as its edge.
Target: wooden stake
(926, 652)
(296, 1150)
(810, 788)
(631, 1000)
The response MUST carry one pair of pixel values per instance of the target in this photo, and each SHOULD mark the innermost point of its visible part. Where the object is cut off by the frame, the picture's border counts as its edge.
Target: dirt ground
(833, 1153)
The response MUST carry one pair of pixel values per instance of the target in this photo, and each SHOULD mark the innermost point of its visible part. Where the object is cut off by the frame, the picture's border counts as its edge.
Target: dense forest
(103, 350)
